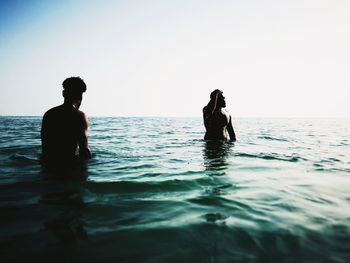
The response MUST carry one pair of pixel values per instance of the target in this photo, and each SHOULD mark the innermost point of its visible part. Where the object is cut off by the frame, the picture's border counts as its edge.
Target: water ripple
(279, 194)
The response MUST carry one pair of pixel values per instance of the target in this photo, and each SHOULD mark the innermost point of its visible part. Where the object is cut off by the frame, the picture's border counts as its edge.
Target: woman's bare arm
(231, 131)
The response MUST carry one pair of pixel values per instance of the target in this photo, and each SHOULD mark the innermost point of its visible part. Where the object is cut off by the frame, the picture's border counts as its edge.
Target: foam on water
(155, 191)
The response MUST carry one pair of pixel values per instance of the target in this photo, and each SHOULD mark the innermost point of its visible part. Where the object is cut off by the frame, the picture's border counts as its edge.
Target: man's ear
(64, 93)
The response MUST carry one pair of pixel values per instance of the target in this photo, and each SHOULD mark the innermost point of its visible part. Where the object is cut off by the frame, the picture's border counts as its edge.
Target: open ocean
(156, 192)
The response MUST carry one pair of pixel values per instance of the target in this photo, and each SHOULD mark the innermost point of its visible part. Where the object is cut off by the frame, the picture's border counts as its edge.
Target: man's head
(220, 98)
(73, 89)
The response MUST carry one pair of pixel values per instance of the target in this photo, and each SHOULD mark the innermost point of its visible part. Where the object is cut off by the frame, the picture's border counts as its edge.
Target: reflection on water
(65, 223)
(76, 171)
(215, 155)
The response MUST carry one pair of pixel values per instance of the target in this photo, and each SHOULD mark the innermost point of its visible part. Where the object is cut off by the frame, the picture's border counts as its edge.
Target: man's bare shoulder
(53, 111)
(81, 114)
(82, 117)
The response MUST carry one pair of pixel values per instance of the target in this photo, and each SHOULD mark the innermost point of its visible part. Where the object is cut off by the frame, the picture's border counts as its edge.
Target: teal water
(156, 192)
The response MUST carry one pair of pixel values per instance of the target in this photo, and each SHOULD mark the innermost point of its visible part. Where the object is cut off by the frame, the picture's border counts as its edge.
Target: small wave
(219, 201)
(130, 168)
(174, 160)
(218, 190)
(213, 217)
(319, 200)
(12, 150)
(331, 164)
(137, 187)
(271, 156)
(270, 138)
(21, 159)
(321, 168)
(330, 160)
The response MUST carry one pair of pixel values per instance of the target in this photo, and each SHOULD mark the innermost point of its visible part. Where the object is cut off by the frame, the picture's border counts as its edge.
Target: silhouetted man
(217, 121)
(64, 128)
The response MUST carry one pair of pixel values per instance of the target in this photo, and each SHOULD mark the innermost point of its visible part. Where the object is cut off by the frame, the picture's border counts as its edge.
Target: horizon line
(172, 116)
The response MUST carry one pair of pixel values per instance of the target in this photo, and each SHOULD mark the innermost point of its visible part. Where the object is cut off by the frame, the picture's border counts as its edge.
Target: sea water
(156, 192)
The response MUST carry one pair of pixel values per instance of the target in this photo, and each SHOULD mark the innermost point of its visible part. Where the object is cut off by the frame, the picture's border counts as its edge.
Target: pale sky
(272, 58)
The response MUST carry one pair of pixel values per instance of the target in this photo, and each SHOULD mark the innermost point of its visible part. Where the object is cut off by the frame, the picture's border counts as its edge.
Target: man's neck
(71, 104)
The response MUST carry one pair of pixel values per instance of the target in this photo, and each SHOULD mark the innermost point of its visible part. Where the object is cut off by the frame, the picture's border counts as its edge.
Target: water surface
(156, 192)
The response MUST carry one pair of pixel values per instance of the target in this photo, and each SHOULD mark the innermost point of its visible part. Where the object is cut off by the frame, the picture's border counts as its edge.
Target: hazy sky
(163, 58)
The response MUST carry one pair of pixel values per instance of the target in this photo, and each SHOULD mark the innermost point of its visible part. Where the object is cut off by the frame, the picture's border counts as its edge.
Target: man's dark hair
(74, 84)
(73, 87)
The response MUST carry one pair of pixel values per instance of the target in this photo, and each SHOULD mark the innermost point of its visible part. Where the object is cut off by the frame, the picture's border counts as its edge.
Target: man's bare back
(63, 129)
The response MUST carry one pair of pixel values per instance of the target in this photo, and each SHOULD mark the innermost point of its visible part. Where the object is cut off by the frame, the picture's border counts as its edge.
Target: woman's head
(220, 102)
(215, 93)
